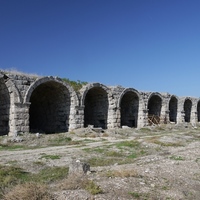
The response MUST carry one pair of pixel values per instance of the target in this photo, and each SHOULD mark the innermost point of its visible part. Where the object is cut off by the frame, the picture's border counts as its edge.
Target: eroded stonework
(49, 105)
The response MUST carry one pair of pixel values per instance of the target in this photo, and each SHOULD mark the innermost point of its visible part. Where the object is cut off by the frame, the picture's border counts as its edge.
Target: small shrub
(130, 144)
(39, 163)
(105, 135)
(77, 85)
(121, 173)
(96, 150)
(81, 182)
(92, 188)
(11, 147)
(135, 194)
(88, 140)
(165, 187)
(10, 175)
(52, 157)
(60, 140)
(96, 161)
(50, 174)
(30, 191)
(145, 129)
(176, 158)
(12, 162)
(140, 195)
(114, 154)
(132, 155)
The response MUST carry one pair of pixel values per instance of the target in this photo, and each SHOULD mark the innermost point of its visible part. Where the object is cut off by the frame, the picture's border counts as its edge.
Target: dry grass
(17, 72)
(156, 140)
(105, 135)
(74, 182)
(29, 191)
(124, 173)
(14, 176)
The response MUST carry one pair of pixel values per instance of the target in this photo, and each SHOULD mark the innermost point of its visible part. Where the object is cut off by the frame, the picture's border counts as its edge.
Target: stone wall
(49, 105)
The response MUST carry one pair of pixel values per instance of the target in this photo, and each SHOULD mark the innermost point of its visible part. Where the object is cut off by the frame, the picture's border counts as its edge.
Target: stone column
(163, 113)
(193, 118)
(180, 112)
(143, 118)
(180, 117)
(114, 117)
(194, 114)
(19, 118)
(166, 117)
(76, 118)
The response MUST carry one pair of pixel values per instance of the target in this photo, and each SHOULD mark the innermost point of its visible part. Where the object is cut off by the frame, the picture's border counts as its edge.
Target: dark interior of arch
(50, 108)
(4, 108)
(187, 109)
(198, 111)
(96, 108)
(129, 109)
(154, 108)
(173, 106)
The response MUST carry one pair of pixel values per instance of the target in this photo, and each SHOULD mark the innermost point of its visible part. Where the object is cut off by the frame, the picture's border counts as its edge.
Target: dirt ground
(161, 163)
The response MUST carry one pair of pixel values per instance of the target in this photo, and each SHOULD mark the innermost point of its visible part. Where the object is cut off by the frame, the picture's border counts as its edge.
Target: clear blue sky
(149, 45)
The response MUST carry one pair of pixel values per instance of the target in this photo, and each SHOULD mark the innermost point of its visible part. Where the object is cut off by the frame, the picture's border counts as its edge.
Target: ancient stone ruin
(49, 105)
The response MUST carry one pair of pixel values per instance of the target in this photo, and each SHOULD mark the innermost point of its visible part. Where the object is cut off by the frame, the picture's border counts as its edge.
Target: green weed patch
(130, 144)
(52, 157)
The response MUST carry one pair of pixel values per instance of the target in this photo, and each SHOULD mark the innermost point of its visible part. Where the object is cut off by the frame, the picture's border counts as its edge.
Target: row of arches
(55, 107)
(53, 110)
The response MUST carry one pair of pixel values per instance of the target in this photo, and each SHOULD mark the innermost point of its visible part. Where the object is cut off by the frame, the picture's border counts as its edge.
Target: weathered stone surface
(31, 103)
(78, 168)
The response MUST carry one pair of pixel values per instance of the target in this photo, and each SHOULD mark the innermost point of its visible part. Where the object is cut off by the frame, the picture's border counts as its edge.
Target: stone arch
(154, 108)
(14, 92)
(187, 106)
(9, 96)
(198, 110)
(129, 107)
(15, 100)
(173, 108)
(50, 105)
(96, 104)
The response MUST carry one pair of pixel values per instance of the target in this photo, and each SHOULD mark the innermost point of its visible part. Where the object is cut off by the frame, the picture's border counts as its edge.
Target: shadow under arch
(5, 105)
(173, 108)
(187, 106)
(198, 110)
(154, 107)
(129, 107)
(95, 101)
(50, 102)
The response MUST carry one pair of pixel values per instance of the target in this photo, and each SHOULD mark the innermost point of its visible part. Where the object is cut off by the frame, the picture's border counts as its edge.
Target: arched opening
(154, 109)
(198, 111)
(173, 106)
(50, 108)
(129, 109)
(4, 108)
(187, 109)
(96, 108)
